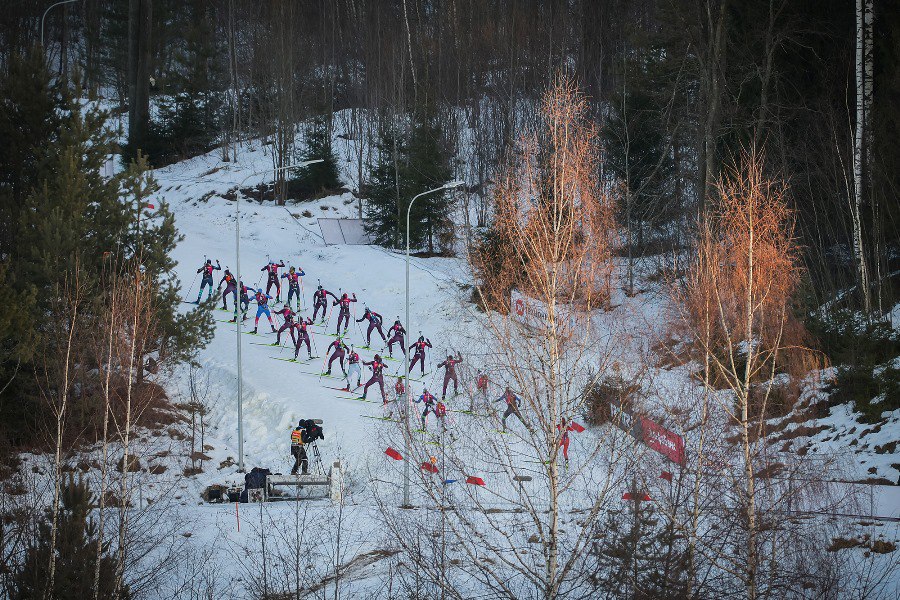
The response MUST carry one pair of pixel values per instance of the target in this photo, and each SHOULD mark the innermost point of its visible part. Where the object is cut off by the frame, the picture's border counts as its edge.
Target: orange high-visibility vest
(297, 438)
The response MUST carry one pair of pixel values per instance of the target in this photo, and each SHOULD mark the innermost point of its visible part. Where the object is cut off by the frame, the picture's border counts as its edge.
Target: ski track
(278, 393)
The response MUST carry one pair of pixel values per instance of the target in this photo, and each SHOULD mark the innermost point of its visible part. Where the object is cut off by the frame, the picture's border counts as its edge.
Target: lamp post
(237, 304)
(45, 14)
(409, 328)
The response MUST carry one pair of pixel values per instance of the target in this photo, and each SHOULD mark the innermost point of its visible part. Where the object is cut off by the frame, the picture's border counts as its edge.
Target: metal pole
(45, 15)
(409, 329)
(237, 306)
(238, 319)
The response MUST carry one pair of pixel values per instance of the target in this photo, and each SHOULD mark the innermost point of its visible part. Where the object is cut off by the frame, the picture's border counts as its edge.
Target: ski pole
(190, 289)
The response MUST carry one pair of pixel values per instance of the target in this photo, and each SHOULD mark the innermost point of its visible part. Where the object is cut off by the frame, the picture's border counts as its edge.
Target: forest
(748, 150)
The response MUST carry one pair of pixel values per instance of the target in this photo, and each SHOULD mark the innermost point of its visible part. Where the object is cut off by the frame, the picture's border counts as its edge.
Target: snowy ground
(278, 393)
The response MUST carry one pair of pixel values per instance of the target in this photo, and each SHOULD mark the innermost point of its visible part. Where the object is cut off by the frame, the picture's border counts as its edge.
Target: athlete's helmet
(421, 338)
(209, 261)
(320, 287)
(293, 270)
(377, 357)
(397, 322)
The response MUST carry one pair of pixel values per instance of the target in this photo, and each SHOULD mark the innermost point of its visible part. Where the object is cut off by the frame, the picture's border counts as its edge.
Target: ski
(380, 418)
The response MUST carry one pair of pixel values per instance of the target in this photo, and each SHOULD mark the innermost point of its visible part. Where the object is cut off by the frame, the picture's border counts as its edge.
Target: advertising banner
(654, 435)
(533, 313)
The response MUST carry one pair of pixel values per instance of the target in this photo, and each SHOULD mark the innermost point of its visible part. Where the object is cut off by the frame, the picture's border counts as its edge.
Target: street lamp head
(309, 162)
(454, 184)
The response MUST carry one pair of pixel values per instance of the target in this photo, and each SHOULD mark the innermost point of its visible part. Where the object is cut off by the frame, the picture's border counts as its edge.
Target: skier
(262, 308)
(293, 278)
(320, 300)
(399, 388)
(374, 324)
(344, 314)
(377, 377)
(302, 336)
(429, 401)
(481, 389)
(338, 353)
(298, 451)
(449, 366)
(230, 288)
(272, 270)
(420, 346)
(396, 333)
(564, 428)
(512, 406)
(353, 362)
(207, 280)
(440, 411)
(288, 324)
(245, 303)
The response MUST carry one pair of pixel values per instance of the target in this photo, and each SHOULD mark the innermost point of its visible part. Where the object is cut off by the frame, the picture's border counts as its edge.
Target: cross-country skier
(344, 311)
(302, 336)
(207, 280)
(512, 406)
(272, 270)
(429, 401)
(230, 288)
(399, 388)
(262, 308)
(245, 303)
(449, 366)
(320, 300)
(420, 346)
(396, 333)
(440, 411)
(288, 316)
(481, 388)
(339, 348)
(353, 368)
(377, 377)
(374, 324)
(564, 428)
(293, 278)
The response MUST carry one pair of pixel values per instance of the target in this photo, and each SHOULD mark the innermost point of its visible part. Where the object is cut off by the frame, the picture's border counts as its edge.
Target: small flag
(151, 206)
(577, 427)
(393, 454)
(474, 480)
(427, 466)
(628, 496)
(449, 481)
(667, 476)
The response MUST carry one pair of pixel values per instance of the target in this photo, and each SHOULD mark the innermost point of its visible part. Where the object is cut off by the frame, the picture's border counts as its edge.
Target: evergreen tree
(321, 177)
(405, 166)
(383, 219)
(59, 211)
(190, 113)
(638, 556)
(76, 550)
(428, 167)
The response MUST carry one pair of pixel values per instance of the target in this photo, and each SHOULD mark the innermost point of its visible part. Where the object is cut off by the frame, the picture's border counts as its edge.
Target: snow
(277, 393)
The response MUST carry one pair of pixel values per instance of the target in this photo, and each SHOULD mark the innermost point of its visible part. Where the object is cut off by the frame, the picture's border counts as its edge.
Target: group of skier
(338, 351)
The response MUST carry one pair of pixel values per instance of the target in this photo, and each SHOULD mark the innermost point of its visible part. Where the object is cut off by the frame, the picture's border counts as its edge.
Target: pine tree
(383, 218)
(190, 114)
(322, 177)
(428, 167)
(407, 165)
(58, 211)
(76, 549)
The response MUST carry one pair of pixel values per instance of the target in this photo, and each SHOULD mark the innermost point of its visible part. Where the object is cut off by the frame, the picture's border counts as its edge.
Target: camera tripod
(317, 458)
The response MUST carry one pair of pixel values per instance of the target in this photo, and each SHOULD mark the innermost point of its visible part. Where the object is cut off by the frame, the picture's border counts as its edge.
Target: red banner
(667, 443)
(474, 480)
(393, 454)
(657, 437)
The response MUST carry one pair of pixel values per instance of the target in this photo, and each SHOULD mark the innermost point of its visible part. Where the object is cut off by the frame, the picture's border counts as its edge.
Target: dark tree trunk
(139, 28)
